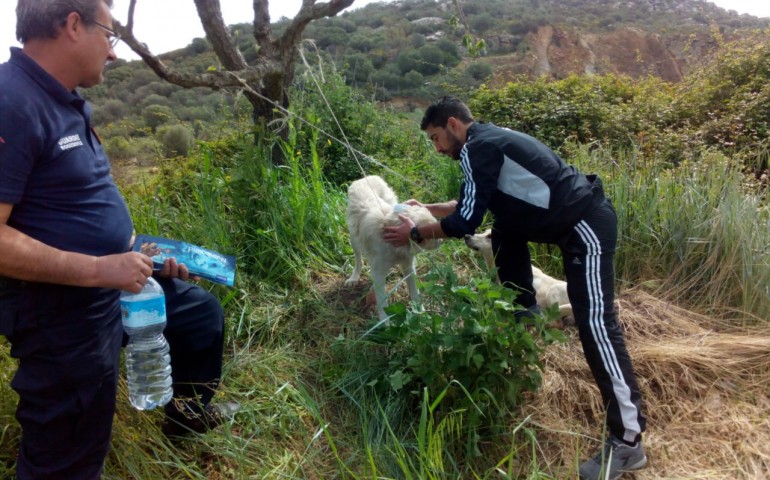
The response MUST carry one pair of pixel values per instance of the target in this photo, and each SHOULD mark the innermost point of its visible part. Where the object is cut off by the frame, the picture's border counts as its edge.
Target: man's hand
(124, 271)
(398, 235)
(172, 269)
(413, 202)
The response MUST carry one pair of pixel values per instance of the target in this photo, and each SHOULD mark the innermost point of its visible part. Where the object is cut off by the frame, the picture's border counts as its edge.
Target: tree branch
(309, 12)
(262, 28)
(265, 83)
(210, 13)
(215, 80)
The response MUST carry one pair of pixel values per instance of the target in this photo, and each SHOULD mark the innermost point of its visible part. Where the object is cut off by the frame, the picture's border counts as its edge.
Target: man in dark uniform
(536, 197)
(65, 236)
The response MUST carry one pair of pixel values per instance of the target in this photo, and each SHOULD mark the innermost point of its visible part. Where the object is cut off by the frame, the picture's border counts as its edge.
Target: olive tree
(265, 81)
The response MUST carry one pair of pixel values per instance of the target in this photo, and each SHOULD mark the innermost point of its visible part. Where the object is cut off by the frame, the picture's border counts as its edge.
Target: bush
(119, 148)
(479, 71)
(177, 140)
(615, 110)
(464, 347)
(110, 111)
(156, 115)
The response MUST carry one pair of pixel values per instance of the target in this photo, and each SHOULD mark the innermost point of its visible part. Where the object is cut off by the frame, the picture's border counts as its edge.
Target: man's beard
(455, 147)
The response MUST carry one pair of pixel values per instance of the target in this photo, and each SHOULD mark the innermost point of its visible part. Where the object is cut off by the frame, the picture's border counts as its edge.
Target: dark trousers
(67, 341)
(195, 333)
(588, 252)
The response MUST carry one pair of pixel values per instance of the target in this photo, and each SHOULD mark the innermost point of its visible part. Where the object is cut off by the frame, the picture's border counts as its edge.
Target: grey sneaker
(613, 461)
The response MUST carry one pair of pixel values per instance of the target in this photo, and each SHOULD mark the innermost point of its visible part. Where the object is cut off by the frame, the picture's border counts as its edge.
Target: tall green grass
(697, 232)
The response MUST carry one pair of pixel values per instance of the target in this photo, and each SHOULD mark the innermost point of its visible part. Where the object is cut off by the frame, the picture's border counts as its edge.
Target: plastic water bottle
(148, 364)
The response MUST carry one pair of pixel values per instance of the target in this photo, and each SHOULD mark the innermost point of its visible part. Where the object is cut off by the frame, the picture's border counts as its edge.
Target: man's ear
(73, 26)
(452, 124)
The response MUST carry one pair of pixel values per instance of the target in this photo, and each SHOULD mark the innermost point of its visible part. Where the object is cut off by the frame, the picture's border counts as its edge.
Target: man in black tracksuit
(536, 197)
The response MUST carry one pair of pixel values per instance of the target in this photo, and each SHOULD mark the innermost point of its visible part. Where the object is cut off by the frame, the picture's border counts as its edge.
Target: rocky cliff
(557, 52)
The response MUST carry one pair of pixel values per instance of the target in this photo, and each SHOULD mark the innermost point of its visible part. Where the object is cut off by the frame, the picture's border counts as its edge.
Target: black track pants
(588, 263)
(588, 253)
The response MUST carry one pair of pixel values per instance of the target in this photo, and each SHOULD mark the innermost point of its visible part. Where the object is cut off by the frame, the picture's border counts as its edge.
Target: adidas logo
(576, 261)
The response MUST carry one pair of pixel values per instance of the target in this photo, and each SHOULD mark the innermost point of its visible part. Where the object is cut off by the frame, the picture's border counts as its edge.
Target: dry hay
(705, 388)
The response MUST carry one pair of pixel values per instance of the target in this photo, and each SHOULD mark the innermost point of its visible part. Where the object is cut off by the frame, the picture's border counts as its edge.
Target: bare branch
(131, 8)
(262, 28)
(266, 83)
(310, 11)
(210, 13)
(252, 75)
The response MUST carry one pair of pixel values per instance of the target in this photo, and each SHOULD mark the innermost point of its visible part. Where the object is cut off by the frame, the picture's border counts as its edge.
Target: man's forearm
(24, 258)
(442, 209)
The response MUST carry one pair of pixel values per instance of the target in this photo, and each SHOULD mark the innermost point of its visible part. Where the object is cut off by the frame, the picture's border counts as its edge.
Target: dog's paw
(351, 281)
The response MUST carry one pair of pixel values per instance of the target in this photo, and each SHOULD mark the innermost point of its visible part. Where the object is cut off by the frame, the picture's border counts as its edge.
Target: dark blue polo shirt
(53, 168)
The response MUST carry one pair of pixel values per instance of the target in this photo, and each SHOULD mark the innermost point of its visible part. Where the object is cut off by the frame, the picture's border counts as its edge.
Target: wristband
(414, 234)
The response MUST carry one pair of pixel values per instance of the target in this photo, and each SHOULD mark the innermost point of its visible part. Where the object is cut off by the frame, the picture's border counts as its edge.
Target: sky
(166, 25)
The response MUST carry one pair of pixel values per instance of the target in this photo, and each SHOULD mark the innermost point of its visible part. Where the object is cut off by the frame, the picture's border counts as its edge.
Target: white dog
(371, 205)
(548, 290)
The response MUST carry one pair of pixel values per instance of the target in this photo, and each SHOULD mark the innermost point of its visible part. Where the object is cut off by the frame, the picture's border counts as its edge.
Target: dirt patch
(132, 171)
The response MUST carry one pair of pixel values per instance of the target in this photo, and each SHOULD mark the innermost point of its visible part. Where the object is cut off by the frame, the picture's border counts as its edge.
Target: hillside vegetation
(408, 52)
(457, 390)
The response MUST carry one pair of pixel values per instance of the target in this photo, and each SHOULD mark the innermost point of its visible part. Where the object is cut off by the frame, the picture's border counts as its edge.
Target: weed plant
(464, 350)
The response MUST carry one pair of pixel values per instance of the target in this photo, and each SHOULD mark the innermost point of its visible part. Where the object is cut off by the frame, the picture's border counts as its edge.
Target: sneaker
(185, 423)
(613, 460)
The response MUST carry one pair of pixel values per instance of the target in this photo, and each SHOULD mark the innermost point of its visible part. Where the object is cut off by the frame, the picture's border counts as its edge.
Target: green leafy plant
(465, 345)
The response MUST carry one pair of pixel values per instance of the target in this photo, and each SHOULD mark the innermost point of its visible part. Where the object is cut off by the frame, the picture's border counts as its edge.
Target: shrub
(479, 71)
(119, 148)
(157, 115)
(177, 140)
(612, 109)
(464, 347)
(110, 111)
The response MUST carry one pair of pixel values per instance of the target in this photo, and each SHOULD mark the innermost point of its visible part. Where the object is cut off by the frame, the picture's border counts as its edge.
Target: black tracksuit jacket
(532, 193)
(535, 196)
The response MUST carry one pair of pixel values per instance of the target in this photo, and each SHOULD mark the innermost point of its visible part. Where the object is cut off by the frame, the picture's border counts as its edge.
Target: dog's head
(482, 242)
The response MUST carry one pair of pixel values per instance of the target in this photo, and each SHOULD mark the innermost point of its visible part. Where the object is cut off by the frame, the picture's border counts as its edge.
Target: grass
(695, 236)
(688, 234)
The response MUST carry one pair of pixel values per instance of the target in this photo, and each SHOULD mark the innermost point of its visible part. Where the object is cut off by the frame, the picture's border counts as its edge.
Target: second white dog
(371, 205)
(548, 290)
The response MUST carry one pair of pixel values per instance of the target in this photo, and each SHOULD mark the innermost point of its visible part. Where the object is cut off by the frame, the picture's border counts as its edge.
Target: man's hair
(44, 18)
(439, 112)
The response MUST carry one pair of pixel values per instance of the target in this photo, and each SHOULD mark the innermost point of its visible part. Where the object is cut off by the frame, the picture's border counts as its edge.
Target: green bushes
(616, 111)
(726, 103)
(722, 106)
(464, 349)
